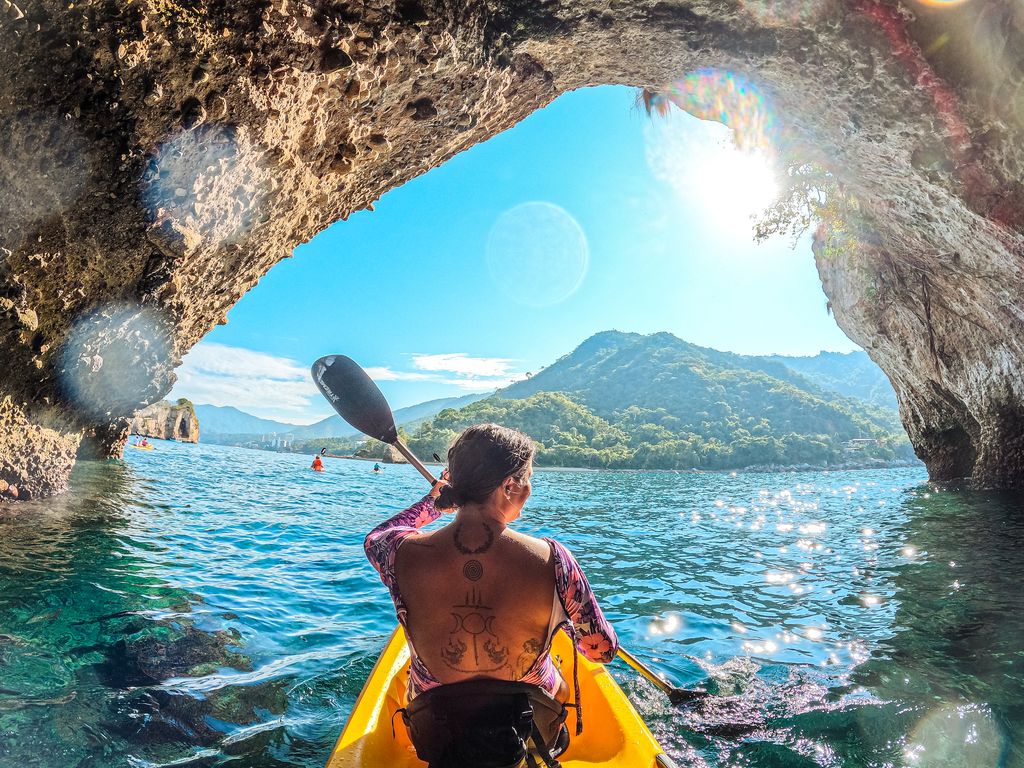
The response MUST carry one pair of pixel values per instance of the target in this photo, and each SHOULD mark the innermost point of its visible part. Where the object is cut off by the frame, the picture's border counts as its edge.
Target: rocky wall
(157, 157)
(167, 421)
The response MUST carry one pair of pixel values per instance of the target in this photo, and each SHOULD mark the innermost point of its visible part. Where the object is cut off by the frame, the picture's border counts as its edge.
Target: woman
(476, 598)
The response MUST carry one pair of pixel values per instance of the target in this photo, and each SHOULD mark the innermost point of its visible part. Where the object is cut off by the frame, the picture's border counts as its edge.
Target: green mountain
(853, 374)
(226, 420)
(235, 425)
(628, 400)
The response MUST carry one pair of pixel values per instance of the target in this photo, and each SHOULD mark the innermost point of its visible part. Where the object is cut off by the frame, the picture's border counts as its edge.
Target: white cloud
(462, 364)
(280, 388)
(482, 385)
(386, 374)
(255, 382)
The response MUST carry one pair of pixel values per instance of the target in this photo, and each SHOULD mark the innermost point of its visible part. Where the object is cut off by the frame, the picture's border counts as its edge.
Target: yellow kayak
(613, 733)
(141, 447)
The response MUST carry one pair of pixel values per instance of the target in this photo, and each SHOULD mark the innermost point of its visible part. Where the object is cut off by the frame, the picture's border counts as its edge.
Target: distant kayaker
(376, 467)
(144, 442)
(317, 465)
(479, 601)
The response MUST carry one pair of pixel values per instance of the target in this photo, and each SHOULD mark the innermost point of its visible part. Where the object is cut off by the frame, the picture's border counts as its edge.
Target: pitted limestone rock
(157, 158)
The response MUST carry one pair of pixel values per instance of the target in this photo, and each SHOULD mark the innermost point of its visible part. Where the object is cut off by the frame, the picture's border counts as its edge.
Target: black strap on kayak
(487, 723)
(545, 750)
(401, 711)
(577, 703)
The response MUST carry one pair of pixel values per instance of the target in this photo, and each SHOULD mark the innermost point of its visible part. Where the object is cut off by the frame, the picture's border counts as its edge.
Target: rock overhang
(157, 159)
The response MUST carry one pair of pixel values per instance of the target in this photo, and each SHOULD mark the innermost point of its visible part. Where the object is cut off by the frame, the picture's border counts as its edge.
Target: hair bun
(449, 498)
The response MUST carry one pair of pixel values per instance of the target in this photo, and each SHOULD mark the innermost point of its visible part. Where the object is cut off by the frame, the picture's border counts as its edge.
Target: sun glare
(703, 165)
(735, 185)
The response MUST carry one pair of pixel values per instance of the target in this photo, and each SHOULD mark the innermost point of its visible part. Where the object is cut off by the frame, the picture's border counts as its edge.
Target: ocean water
(201, 605)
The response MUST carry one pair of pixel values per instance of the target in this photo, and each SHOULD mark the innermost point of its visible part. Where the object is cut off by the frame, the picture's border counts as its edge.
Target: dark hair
(481, 457)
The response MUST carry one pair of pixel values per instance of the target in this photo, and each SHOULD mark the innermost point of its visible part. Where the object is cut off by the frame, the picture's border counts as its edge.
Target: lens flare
(115, 360)
(730, 99)
(537, 254)
(45, 169)
(956, 735)
(204, 182)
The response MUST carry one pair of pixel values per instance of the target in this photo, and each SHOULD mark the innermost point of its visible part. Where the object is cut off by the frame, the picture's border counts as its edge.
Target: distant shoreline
(757, 468)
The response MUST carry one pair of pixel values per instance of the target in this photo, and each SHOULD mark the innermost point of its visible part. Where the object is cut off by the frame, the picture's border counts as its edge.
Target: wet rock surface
(156, 159)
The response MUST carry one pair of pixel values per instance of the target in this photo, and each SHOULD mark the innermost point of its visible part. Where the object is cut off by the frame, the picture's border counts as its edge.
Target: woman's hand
(435, 492)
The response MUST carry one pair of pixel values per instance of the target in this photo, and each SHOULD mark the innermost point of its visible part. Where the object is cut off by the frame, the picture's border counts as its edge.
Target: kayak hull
(614, 734)
(141, 447)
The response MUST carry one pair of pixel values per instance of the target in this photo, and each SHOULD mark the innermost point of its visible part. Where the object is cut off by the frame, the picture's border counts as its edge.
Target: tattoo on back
(474, 628)
(531, 650)
(466, 550)
(473, 570)
(453, 652)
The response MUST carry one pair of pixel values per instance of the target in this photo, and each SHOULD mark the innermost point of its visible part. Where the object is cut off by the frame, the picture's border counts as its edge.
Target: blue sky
(586, 216)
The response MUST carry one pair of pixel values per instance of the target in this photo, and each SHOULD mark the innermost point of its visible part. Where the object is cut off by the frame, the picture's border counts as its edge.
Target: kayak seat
(486, 723)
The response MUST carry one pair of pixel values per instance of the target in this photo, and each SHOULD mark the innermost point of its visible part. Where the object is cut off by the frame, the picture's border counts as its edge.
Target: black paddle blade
(681, 696)
(355, 397)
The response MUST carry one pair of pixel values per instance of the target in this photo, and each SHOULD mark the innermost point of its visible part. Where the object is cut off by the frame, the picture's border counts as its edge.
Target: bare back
(479, 600)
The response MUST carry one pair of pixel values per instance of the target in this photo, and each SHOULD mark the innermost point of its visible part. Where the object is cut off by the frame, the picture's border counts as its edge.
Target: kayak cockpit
(613, 735)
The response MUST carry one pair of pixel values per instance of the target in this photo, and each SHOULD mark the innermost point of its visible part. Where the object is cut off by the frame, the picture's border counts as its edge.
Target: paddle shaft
(644, 670)
(403, 449)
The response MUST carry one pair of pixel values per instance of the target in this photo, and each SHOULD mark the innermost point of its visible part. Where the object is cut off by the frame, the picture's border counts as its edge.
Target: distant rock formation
(392, 456)
(168, 421)
(157, 159)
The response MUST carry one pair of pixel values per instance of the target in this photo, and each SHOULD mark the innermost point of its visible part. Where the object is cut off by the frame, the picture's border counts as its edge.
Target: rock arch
(157, 158)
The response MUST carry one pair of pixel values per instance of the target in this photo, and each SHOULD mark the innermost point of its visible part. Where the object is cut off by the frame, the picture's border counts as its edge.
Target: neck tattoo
(466, 550)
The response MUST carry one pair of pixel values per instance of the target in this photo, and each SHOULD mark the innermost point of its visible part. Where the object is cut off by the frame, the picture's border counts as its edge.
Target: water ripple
(199, 605)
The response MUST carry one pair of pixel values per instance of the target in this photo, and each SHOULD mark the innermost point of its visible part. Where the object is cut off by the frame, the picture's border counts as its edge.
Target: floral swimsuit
(574, 605)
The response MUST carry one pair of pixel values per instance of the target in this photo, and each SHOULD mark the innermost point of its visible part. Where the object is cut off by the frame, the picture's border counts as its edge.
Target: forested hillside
(627, 400)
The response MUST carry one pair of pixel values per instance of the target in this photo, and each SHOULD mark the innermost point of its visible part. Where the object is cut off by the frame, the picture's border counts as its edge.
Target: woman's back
(479, 601)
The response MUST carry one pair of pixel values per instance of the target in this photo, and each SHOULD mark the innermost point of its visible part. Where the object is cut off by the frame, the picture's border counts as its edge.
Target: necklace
(466, 550)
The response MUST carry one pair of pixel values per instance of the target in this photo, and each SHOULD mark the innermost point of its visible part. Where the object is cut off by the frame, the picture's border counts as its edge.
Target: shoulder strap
(577, 703)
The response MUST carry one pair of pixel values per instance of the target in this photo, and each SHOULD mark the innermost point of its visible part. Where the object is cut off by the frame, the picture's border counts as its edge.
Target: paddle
(360, 402)
(352, 393)
(675, 695)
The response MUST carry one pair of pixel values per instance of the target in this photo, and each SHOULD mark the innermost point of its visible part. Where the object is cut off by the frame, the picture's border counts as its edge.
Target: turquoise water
(202, 605)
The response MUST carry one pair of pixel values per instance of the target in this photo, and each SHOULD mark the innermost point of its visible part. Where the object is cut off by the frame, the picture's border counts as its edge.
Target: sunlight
(721, 164)
(736, 185)
(706, 169)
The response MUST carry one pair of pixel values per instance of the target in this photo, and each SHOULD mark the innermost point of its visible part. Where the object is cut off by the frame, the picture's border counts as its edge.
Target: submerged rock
(157, 160)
